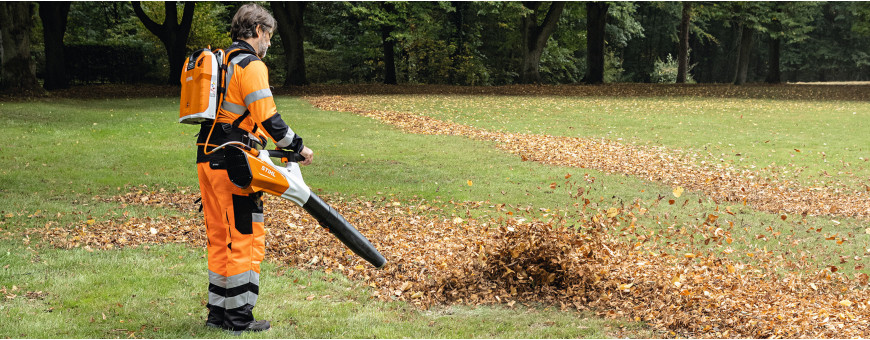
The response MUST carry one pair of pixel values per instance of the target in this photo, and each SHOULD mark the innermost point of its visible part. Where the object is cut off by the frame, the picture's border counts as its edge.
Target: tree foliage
(481, 43)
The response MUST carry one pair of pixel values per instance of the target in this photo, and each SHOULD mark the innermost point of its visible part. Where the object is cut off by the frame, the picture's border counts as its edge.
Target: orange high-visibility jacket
(247, 83)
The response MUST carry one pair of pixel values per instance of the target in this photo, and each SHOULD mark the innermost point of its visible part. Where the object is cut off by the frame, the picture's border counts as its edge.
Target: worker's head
(253, 24)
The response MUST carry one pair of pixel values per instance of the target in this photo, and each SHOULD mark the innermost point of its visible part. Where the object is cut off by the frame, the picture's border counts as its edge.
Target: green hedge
(106, 63)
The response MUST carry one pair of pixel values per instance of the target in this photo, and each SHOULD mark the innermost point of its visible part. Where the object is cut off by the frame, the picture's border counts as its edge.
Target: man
(234, 216)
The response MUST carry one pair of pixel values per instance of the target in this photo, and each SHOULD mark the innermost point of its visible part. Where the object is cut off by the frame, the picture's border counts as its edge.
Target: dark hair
(246, 20)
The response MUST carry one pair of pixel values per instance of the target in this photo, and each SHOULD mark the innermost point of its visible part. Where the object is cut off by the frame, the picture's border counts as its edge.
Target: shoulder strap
(229, 57)
(222, 91)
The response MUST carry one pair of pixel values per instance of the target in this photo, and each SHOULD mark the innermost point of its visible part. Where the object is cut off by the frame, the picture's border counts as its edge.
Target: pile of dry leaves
(436, 260)
(722, 183)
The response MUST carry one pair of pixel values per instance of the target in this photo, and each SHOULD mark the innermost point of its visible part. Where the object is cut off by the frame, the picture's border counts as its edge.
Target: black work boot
(255, 326)
(215, 317)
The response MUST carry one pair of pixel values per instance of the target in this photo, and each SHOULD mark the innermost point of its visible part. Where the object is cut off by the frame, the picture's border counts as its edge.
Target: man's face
(264, 40)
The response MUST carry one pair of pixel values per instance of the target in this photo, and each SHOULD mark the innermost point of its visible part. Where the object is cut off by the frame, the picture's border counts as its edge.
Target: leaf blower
(251, 168)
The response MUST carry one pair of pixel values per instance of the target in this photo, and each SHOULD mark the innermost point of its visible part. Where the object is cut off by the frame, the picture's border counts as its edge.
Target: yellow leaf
(457, 220)
(678, 191)
(90, 222)
(625, 286)
(689, 255)
(731, 269)
(11, 215)
(470, 183)
(867, 230)
(417, 295)
(845, 303)
(612, 212)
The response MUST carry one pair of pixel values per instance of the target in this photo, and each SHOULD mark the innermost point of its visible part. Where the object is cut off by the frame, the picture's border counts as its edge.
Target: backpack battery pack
(200, 86)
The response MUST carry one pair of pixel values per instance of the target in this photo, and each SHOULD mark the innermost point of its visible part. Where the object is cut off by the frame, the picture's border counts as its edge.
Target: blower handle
(289, 156)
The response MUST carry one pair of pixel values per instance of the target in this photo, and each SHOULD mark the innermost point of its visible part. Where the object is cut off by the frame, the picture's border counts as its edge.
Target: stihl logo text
(268, 171)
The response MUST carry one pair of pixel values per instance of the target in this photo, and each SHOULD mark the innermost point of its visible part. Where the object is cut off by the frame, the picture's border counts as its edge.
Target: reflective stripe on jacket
(247, 83)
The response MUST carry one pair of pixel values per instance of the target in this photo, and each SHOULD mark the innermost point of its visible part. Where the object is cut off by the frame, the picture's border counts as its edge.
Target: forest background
(460, 43)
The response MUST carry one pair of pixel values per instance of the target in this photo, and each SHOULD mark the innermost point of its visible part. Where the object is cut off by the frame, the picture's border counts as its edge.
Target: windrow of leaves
(720, 182)
(570, 261)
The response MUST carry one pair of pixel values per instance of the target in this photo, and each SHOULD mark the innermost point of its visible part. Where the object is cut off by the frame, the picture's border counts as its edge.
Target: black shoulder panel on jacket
(248, 59)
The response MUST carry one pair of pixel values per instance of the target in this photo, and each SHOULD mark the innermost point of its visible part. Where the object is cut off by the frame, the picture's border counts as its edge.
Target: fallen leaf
(678, 191)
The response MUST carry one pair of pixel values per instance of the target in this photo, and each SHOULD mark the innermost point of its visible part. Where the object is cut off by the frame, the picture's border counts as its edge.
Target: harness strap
(231, 57)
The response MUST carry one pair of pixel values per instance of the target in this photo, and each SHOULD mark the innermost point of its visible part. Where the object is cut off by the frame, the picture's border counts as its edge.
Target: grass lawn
(83, 148)
(812, 139)
(67, 151)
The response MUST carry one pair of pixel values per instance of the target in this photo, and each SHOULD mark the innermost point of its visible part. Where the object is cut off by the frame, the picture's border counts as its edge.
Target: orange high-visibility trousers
(236, 246)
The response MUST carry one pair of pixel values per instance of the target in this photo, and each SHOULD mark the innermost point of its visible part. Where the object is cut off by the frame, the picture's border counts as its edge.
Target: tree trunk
(743, 55)
(171, 33)
(683, 55)
(290, 25)
(774, 76)
(596, 20)
(17, 70)
(54, 18)
(535, 38)
(456, 19)
(389, 55)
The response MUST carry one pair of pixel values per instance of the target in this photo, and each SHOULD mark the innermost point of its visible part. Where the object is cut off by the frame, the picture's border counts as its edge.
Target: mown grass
(84, 148)
(96, 147)
(817, 141)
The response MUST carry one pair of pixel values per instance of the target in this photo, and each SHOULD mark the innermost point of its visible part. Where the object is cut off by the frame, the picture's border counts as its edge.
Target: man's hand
(308, 154)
